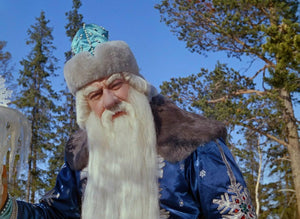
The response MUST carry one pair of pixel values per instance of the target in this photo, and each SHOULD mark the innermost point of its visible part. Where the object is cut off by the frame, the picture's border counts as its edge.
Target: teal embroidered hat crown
(88, 37)
(97, 58)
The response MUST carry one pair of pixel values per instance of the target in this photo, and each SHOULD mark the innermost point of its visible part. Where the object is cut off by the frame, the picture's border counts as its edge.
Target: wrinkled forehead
(95, 85)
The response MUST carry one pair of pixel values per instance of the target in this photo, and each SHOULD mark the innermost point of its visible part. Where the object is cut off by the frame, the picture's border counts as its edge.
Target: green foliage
(247, 156)
(75, 22)
(284, 201)
(259, 30)
(4, 59)
(283, 45)
(36, 100)
(268, 30)
(67, 109)
(225, 95)
(5, 67)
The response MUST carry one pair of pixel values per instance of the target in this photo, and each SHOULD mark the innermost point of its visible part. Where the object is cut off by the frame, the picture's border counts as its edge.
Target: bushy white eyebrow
(89, 89)
(113, 77)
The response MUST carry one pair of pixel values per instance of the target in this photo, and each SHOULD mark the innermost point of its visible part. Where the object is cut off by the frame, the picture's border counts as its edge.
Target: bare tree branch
(287, 190)
(222, 99)
(259, 71)
(265, 134)
(283, 158)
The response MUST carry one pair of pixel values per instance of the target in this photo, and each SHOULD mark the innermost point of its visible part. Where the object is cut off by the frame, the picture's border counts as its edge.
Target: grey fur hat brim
(110, 57)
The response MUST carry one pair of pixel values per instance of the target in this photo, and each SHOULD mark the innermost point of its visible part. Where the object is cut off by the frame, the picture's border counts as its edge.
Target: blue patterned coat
(198, 176)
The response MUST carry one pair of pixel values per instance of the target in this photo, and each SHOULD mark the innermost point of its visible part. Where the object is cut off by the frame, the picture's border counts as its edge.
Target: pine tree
(36, 100)
(5, 67)
(67, 111)
(75, 23)
(259, 30)
(252, 157)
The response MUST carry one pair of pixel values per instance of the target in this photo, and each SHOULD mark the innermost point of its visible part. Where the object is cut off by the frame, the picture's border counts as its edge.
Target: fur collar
(178, 133)
(76, 150)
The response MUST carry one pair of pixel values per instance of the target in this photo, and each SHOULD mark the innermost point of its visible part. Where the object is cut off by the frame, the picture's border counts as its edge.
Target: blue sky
(160, 55)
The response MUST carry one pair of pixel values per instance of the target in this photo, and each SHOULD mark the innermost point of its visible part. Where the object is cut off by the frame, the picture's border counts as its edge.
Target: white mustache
(109, 113)
(121, 107)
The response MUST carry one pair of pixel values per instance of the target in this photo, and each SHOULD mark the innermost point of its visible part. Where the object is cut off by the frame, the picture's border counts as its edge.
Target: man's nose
(109, 99)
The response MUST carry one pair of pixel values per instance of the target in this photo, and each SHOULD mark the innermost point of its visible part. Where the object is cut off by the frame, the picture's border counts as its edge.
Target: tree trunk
(29, 177)
(293, 143)
(34, 183)
(28, 186)
(258, 178)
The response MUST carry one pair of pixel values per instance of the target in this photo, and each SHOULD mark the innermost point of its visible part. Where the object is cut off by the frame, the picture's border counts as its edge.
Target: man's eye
(95, 95)
(116, 85)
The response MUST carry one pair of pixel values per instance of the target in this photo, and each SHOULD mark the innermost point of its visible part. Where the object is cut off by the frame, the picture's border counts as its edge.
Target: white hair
(122, 181)
(140, 84)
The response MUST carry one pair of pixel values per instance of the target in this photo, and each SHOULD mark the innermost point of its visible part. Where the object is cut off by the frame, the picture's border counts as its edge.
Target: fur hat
(94, 62)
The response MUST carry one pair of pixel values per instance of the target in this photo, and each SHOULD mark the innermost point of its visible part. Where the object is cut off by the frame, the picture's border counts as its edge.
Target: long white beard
(122, 163)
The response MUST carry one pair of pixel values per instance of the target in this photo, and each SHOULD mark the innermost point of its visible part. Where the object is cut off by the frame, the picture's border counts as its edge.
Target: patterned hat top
(88, 37)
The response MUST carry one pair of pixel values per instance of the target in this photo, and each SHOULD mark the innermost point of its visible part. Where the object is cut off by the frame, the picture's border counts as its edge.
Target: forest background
(235, 61)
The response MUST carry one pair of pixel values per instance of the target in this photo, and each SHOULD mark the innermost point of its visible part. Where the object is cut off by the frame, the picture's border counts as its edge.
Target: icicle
(15, 136)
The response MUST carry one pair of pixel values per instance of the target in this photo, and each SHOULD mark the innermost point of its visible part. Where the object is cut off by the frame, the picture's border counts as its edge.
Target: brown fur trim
(179, 132)
(76, 150)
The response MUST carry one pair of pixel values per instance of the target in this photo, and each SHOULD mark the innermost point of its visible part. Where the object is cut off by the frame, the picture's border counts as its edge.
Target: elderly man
(137, 154)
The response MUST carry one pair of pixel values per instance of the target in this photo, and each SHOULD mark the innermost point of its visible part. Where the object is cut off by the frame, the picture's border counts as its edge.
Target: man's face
(106, 94)
(122, 155)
